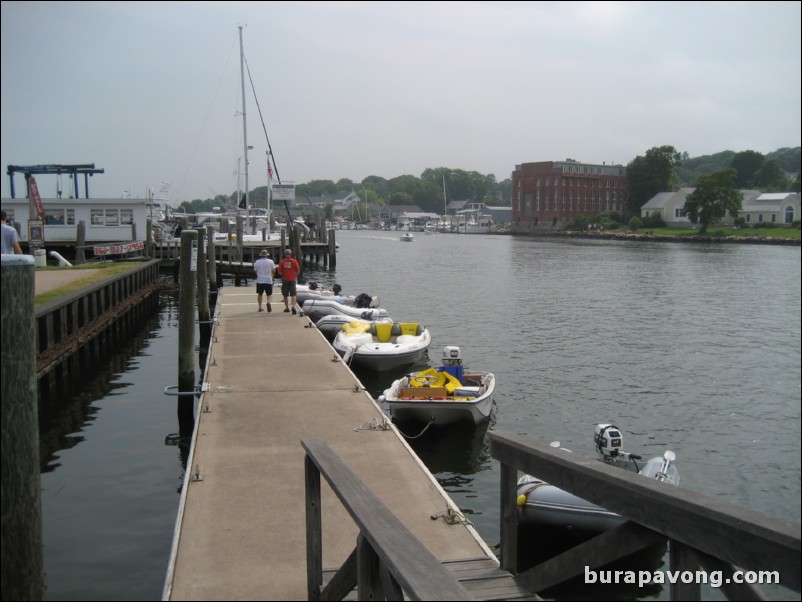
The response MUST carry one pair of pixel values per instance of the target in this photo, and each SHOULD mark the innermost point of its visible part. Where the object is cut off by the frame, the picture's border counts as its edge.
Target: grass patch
(791, 233)
(106, 269)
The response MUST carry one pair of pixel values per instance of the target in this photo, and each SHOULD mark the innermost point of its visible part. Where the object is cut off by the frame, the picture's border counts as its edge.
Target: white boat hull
(332, 324)
(367, 351)
(472, 408)
(317, 308)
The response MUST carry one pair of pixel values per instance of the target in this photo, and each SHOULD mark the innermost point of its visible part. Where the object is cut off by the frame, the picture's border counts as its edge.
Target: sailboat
(259, 220)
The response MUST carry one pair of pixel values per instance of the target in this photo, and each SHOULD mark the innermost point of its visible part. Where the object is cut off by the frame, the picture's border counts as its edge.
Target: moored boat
(361, 308)
(332, 324)
(442, 396)
(382, 346)
(540, 503)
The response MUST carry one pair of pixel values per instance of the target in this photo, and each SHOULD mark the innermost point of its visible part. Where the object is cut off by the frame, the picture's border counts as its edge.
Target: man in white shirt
(264, 268)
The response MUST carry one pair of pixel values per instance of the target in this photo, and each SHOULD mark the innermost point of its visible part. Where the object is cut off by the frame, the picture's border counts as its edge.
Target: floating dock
(272, 380)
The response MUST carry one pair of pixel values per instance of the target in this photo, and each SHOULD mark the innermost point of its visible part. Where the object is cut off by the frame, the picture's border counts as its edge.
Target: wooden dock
(273, 381)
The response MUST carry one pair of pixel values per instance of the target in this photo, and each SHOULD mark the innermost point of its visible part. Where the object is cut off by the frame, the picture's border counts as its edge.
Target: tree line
(660, 169)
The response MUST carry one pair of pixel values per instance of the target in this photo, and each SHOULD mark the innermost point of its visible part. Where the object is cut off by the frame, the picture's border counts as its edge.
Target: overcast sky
(150, 91)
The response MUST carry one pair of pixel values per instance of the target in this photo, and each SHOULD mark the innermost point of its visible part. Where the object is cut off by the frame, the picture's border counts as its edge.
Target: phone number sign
(128, 247)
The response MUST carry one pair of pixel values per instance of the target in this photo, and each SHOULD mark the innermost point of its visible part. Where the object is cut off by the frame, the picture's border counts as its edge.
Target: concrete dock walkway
(274, 380)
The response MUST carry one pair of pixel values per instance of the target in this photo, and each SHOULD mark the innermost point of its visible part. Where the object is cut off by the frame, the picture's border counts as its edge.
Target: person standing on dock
(264, 268)
(10, 238)
(288, 269)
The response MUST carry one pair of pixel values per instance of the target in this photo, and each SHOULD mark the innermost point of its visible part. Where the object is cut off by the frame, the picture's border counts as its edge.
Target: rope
(425, 428)
(374, 425)
(452, 517)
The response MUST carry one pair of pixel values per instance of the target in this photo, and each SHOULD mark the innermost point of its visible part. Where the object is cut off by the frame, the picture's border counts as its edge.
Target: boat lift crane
(87, 169)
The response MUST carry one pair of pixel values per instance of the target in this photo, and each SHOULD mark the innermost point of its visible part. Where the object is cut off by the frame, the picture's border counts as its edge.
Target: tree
(714, 197)
(771, 177)
(746, 164)
(650, 174)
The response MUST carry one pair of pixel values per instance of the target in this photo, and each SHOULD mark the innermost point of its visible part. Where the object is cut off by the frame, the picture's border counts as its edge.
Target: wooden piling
(23, 565)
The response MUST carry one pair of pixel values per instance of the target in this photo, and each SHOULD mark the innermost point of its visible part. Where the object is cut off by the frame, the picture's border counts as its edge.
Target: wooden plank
(606, 547)
(415, 568)
(737, 535)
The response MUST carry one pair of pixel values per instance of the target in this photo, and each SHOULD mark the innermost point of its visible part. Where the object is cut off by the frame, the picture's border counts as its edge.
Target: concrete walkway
(275, 380)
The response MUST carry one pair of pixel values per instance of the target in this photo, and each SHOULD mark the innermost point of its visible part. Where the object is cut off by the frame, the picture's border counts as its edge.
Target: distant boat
(407, 237)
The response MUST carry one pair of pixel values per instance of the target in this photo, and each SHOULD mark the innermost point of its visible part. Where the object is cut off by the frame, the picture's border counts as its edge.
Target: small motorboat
(382, 346)
(362, 307)
(313, 291)
(442, 396)
(540, 503)
(407, 237)
(332, 324)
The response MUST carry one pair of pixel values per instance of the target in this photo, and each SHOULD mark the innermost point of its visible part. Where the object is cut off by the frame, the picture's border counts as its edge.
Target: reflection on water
(695, 348)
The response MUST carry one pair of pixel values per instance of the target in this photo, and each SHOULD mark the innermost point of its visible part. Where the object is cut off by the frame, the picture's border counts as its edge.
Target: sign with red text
(121, 249)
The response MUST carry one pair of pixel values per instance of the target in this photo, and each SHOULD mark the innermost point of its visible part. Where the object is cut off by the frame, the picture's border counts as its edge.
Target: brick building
(552, 193)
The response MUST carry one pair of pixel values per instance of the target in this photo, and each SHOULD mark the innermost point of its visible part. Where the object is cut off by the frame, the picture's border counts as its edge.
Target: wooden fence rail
(702, 531)
(388, 561)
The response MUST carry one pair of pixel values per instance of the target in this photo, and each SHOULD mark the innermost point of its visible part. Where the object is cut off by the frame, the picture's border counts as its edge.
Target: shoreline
(647, 237)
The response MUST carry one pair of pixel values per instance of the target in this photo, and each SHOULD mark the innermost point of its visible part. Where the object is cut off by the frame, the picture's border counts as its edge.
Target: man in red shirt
(288, 268)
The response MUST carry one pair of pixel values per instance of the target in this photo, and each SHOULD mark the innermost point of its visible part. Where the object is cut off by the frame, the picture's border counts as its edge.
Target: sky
(150, 92)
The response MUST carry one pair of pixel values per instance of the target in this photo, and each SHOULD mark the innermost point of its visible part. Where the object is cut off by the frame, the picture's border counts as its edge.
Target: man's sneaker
(293, 311)
(286, 311)
(269, 308)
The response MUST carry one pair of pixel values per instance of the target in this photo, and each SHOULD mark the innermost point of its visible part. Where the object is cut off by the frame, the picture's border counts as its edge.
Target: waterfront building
(555, 193)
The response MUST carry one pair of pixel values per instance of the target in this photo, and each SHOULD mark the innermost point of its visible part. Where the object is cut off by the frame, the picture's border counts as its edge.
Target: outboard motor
(452, 362)
(609, 441)
(362, 301)
(313, 286)
(336, 289)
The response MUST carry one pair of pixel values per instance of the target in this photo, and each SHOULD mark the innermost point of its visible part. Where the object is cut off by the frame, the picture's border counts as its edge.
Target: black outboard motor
(313, 286)
(336, 289)
(362, 300)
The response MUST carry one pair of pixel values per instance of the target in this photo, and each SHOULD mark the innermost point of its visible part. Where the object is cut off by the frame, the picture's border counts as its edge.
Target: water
(695, 348)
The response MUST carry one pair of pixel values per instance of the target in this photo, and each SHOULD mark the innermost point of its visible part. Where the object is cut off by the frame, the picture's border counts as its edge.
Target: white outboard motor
(452, 362)
(609, 441)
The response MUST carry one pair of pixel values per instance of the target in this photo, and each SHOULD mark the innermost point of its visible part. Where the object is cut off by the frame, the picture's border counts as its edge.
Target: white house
(772, 207)
(756, 207)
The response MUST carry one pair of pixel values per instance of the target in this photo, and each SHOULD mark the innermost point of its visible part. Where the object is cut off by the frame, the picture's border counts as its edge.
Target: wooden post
(314, 530)
(149, 238)
(211, 257)
(80, 243)
(23, 565)
(332, 249)
(509, 519)
(133, 230)
(369, 584)
(240, 236)
(187, 285)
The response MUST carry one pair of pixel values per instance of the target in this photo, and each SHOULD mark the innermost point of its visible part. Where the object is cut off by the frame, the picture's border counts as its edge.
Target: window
(54, 217)
(112, 217)
(789, 214)
(759, 218)
(96, 217)
(126, 217)
(773, 218)
(70, 217)
(748, 217)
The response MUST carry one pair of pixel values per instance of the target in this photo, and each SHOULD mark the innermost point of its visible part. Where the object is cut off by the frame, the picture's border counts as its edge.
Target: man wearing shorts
(264, 268)
(288, 269)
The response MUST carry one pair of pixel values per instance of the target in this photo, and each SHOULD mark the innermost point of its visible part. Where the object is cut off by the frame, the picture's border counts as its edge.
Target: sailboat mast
(244, 121)
(445, 198)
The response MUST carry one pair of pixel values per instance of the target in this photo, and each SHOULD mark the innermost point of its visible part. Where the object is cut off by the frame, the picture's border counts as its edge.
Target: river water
(689, 347)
